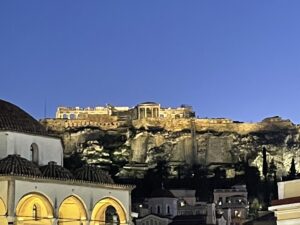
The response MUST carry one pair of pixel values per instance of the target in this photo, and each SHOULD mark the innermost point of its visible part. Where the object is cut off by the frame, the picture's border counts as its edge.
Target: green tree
(201, 183)
(252, 178)
(254, 208)
(265, 173)
(74, 161)
(293, 172)
(272, 174)
(265, 163)
(162, 170)
(272, 169)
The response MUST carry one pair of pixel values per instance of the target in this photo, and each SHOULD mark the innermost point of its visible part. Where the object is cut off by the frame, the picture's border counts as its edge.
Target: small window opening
(34, 151)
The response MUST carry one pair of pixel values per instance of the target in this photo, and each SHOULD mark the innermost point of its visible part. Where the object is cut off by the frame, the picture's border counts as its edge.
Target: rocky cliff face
(186, 141)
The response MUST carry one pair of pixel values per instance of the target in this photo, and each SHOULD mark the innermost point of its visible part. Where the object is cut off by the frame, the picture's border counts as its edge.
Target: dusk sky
(234, 59)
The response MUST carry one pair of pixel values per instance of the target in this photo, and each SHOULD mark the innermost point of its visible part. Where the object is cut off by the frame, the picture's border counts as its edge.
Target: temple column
(139, 113)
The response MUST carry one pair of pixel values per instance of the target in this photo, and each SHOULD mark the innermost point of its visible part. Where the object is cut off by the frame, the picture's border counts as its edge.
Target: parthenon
(141, 111)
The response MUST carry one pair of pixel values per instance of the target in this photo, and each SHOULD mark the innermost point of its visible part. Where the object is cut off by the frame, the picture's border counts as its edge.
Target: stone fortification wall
(216, 125)
(201, 125)
(77, 112)
(174, 124)
(176, 113)
(62, 124)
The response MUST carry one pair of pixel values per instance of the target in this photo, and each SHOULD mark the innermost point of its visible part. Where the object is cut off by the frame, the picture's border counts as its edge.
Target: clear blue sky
(235, 59)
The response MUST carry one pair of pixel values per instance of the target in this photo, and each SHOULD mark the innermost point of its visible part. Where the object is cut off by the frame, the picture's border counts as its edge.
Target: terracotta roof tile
(286, 201)
(93, 174)
(13, 118)
(53, 170)
(15, 164)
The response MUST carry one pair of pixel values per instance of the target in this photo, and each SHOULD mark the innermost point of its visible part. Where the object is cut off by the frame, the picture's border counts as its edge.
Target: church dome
(52, 170)
(13, 118)
(15, 164)
(93, 174)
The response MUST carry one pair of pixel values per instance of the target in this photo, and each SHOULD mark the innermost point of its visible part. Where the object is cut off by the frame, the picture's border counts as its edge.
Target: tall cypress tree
(265, 163)
(272, 169)
(272, 173)
(265, 173)
(293, 172)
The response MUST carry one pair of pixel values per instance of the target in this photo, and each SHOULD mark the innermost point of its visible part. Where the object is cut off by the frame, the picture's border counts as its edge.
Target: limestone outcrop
(182, 141)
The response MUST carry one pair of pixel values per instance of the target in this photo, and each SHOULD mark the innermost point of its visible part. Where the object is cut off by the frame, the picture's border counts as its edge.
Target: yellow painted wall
(25, 214)
(72, 211)
(292, 189)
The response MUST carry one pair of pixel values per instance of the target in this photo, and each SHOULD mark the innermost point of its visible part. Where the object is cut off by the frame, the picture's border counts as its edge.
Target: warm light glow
(72, 211)
(237, 213)
(2, 208)
(98, 214)
(3, 219)
(33, 209)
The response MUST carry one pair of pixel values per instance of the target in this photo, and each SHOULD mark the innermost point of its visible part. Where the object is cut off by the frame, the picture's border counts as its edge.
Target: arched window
(72, 116)
(34, 152)
(106, 210)
(34, 209)
(72, 209)
(158, 209)
(111, 216)
(35, 212)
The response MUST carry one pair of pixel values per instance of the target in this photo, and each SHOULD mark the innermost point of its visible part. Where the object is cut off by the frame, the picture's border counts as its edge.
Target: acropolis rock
(184, 140)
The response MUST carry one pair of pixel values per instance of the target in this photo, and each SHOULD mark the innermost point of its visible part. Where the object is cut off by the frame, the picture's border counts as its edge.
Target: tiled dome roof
(93, 174)
(53, 170)
(15, 164)
(13, 118)
(162, 193)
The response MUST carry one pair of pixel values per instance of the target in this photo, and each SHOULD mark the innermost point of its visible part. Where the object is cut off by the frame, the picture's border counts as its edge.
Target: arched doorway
(108, 211)
(72, 211)
(34, 209)
(3, 219)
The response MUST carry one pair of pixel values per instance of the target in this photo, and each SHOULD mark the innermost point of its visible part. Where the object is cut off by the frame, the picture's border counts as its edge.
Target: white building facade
(35, 188)
(33, 147)
(235, 199)
(179, 206)
(287, 207)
